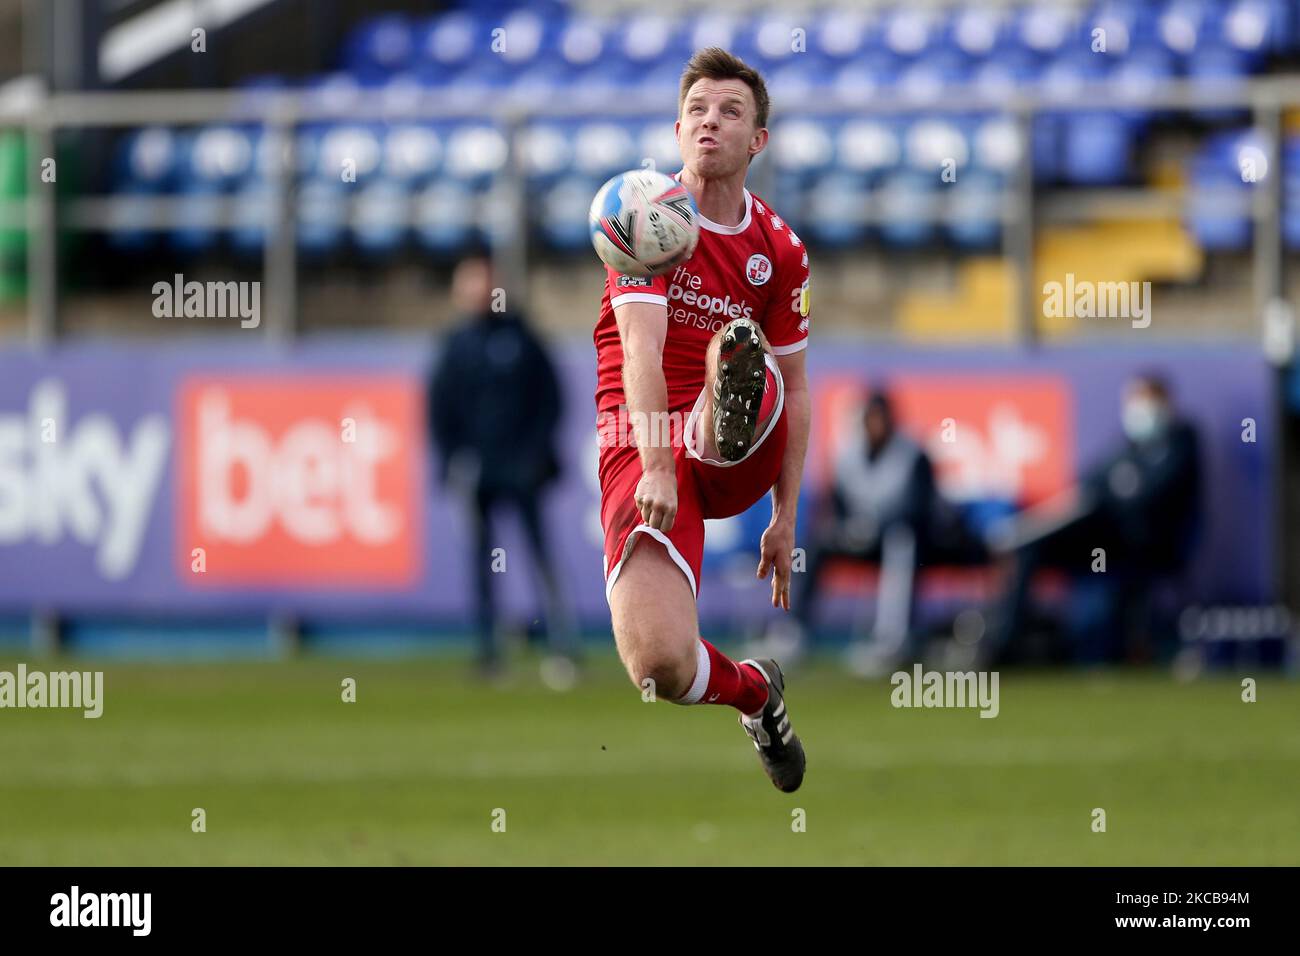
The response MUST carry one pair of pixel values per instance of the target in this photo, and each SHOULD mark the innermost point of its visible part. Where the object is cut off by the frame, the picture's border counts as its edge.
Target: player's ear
(758, 143)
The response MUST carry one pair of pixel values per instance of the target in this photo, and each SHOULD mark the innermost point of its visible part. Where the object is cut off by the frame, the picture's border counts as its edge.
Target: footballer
(716, 348)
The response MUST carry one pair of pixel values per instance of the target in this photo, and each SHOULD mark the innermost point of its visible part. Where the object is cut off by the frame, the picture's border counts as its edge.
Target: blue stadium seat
(200, 205)
(906, 200)
(129, 224)
(1213, 67)
(445, 216)
(928, 79)
(1118, 27)
(975, 209)
(546, 151)
(412, 153)
(1045, 28)
(221, 156)
(449, 42)
(863, 80)
(714, 28)
(384, 44)
(844, 34)
(996, 145)
(602, 147)
(1097, 149)
(932, 142)
(253, 213)
(797, 79)
(562, 215)
(1218, 212)
(322, 216)
(1002, 75)
(1185, 26)
(1141, 70)
(836, 207)
(351, 148)
(150, 158)
(803, 146)
(978, 31)
(380, 212)
(648, 39)
(526, 38)
(868, 146)
(657, 141)
(582, 42)
(1291, 193)
(475, 153)
(911, 31)
(338, 93)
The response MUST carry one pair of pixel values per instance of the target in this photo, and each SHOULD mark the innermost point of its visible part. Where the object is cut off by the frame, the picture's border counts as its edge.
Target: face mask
(1141, 419)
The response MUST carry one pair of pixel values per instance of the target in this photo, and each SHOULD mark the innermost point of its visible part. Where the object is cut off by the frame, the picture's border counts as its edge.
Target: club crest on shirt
(759, 269)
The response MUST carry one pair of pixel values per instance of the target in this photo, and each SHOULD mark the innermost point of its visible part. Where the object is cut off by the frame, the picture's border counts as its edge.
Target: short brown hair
(715, 63)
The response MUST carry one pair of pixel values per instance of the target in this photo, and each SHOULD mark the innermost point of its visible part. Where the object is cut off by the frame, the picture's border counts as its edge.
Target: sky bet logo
(302, 479)
(74, 909)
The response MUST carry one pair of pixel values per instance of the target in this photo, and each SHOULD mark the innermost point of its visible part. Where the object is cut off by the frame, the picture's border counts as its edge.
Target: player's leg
(561, 635)
(739, 391)
(658, 636)
(480, 506)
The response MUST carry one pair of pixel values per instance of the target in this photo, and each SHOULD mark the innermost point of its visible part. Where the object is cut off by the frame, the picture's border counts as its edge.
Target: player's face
(717, 131)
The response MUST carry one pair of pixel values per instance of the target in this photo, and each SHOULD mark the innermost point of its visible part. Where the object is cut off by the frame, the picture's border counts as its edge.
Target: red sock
(720, 680)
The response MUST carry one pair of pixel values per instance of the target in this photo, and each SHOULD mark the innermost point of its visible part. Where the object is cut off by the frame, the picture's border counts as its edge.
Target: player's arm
(778, 540)
(643, 328)
(786, 324)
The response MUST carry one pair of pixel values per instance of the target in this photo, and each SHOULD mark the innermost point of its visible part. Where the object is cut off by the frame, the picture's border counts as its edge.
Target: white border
(695, 693)
(791, 349)
(692, 420)
(662, 539)
(651, 297)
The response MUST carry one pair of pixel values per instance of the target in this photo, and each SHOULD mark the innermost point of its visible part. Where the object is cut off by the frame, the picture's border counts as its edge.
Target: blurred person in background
(1141, 507)
(494, 407)
(878, 508)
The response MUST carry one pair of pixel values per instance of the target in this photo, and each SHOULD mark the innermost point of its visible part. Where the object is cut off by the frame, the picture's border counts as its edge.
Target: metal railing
(281, 113)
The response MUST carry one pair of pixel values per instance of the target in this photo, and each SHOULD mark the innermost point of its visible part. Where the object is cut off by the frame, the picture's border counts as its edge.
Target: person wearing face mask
(1141, 506)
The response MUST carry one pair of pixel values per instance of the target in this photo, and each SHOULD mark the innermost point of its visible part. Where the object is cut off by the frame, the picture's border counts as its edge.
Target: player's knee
(669, 675)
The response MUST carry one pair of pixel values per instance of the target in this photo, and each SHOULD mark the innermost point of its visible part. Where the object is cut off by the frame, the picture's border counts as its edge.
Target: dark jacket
(1150, 493)
(494, 400)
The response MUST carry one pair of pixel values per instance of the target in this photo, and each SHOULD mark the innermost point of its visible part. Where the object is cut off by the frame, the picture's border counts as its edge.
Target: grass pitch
(412, 773)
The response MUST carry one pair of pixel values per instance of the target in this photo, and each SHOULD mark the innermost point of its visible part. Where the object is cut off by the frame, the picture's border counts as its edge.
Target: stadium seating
(843, 179)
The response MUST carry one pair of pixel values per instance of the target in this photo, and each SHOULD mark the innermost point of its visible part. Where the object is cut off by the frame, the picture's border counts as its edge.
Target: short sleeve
(625, 289)
(786, 321)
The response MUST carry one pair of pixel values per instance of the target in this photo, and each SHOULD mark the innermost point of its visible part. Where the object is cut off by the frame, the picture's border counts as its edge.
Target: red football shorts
(705, 488)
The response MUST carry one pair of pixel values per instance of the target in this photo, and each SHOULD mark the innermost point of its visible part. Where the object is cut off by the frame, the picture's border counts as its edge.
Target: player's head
(1145, 406)
(472, 280)
(721, 114)
(878, 419)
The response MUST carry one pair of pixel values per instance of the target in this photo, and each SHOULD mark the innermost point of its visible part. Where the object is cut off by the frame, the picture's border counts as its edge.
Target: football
(643, 223)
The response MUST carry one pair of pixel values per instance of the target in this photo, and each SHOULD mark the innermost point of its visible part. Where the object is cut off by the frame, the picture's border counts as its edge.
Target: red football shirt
(757, 269)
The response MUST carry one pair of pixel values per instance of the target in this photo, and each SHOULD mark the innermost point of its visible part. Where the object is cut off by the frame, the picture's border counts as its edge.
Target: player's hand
(774, 554)
(656, 499)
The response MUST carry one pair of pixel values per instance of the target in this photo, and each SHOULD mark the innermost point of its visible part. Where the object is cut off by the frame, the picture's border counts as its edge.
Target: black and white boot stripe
(779, 748)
